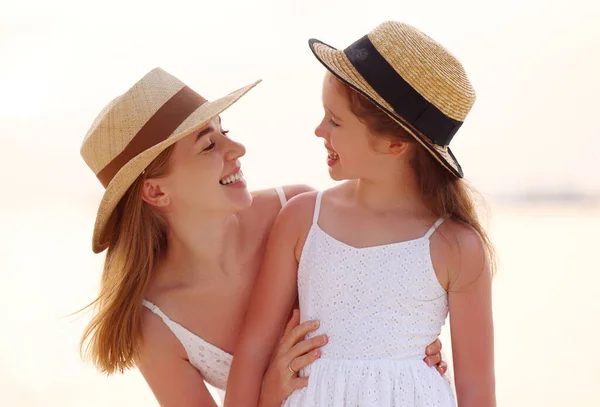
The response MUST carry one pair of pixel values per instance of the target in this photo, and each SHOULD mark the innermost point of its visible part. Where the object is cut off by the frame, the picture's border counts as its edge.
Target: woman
(185, 239)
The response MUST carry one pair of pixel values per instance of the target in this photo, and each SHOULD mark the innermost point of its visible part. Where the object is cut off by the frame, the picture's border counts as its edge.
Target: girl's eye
(334, 124)
(224, 132)
(210, 146)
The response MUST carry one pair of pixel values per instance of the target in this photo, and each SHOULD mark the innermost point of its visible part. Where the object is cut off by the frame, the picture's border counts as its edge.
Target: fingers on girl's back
(302, 330)
(299, 382)
(306, 359)
(308, 345)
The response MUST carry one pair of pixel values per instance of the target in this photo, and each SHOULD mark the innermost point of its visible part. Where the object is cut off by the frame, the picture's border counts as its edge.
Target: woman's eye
(210, 146)
(334, 124)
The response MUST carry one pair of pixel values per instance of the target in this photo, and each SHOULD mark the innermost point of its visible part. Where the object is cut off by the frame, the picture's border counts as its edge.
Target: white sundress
(381, 307)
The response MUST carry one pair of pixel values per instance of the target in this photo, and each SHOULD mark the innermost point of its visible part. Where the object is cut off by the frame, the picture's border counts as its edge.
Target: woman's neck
(202, 249)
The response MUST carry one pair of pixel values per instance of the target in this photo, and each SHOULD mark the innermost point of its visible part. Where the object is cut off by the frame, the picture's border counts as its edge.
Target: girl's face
(354, 152)
(204, 175)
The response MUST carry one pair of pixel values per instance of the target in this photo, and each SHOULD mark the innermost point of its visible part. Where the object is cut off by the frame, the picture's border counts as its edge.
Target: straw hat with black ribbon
(133, 129)
(412, 78)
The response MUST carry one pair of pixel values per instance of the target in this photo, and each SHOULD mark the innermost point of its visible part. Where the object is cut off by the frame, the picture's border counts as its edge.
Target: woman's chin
(240, 198)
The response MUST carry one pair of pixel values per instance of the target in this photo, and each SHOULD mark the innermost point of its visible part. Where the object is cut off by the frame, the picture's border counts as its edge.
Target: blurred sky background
(531, 134)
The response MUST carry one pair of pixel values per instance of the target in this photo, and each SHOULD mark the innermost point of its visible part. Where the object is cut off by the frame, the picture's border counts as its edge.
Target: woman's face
(204, 175)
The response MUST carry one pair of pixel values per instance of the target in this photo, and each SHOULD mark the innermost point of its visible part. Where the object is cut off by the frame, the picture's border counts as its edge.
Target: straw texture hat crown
(412, 78)
(134, 128)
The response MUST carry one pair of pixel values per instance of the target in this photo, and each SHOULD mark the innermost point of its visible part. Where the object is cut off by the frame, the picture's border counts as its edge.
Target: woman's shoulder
(267, 202)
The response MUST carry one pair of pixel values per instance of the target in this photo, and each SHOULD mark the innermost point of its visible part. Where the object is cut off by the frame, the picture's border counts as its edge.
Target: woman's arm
(273, 295)
(172, 379)
(470, 304)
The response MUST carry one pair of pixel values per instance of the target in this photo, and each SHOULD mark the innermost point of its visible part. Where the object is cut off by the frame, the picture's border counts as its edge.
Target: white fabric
(211, 361)
(281, 194)
(380, 306)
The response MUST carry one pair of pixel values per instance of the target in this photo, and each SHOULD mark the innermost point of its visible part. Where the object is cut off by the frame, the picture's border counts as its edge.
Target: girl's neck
(386, 194)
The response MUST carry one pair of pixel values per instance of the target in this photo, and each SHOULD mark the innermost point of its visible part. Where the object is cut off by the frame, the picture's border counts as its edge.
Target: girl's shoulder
(299, 206)
(266, 206)
(460, 250)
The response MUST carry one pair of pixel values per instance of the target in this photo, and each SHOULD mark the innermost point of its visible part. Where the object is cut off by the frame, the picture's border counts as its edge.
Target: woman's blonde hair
(136, 236)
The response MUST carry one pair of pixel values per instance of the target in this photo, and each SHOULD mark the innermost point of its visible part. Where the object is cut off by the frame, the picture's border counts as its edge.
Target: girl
(381, 259)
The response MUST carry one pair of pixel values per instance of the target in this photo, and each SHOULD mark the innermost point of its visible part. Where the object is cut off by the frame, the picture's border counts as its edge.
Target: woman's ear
(153, 193)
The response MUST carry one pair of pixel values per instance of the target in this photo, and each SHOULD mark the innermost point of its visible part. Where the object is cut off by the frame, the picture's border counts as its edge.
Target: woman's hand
(291, 355)
(434, 357)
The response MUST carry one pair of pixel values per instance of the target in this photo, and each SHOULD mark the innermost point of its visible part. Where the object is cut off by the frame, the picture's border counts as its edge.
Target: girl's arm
(272, 298)
(470, 305)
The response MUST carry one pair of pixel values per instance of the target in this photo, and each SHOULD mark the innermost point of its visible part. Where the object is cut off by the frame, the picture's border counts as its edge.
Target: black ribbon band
(399, 94)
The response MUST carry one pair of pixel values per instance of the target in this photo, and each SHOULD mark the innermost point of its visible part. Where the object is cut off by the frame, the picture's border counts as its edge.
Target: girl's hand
(291, 355)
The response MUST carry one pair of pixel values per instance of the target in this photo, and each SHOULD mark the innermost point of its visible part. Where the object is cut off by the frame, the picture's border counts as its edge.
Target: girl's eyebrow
(331, 113)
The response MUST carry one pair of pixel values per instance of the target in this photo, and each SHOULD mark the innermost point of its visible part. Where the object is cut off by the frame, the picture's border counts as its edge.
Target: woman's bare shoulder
(266, 203)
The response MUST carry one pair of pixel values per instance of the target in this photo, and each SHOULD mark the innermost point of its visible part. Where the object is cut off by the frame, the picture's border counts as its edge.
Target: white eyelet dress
(381, 307)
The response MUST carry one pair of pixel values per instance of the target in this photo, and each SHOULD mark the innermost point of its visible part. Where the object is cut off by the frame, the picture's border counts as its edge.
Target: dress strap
(281, 194)
(317, 207)
(180, 332)
(172, 325)
(433, 228)
(157, 311)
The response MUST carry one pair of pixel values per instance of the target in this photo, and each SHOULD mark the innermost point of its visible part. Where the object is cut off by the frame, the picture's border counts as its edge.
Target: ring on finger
(289, 366)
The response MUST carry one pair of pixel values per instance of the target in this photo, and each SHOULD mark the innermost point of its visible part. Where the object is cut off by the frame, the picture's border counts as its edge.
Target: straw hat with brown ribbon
(412, 78)
(136, 127)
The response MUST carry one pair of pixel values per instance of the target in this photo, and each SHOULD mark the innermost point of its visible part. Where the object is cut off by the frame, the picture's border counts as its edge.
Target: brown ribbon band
(157, 129)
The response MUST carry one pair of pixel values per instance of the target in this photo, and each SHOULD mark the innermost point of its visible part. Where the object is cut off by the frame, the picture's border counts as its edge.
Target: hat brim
(132, 170)
(340, 66)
